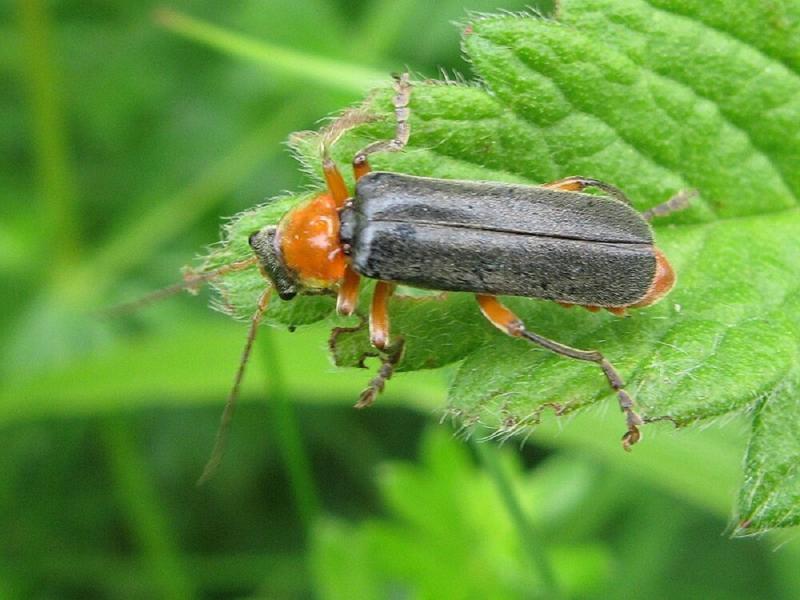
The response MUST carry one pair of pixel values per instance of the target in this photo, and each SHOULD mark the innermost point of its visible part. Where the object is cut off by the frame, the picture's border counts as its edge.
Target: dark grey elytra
(499, 239)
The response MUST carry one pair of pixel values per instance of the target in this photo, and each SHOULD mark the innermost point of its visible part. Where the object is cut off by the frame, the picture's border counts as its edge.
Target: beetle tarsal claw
(390, 358)
(631, 437)
(367, 397)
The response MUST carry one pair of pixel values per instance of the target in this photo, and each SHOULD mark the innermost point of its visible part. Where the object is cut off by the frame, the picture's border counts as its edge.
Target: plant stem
(333, 74)
(54, 174)
(287, 434)
(139, 499)
(383, 23)
(532, 541)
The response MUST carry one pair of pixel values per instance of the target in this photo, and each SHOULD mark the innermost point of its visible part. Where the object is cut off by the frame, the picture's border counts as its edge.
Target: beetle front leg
(507, 322)
(392, 355)
(402, 96)
(379, 314)
(347, 298)
(379, 337)
(333, 178)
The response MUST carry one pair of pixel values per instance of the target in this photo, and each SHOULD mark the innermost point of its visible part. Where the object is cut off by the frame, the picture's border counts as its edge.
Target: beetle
(551, 242)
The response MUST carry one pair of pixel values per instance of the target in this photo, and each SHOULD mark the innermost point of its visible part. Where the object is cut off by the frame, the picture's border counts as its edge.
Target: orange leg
(678, 202)
(347, 298)
(379, 315)
(348, 291)
(335, 181)
(379, 336)
(402, 96)
(577, 184)
(390, 357)
(507, 322)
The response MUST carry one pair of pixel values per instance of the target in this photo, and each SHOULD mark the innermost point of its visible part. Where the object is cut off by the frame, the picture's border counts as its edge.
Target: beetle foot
(389, 361)
(633, 435)
(367, 397)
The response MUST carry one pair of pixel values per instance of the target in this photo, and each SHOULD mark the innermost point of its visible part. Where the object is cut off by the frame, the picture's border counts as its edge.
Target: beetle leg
(507, 322)
(678, 202)
(347, 298)
(349, 119)
(379, 314)
(335, 181)
(391, 357)
(577, 183)
(379, 336)
(402, 88)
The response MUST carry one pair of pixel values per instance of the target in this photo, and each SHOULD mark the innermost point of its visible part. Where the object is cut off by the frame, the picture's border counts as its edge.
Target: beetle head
(264, 244)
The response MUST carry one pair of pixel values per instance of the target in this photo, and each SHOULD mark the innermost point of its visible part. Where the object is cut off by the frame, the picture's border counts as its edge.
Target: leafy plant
(450, 536)
(654, 97)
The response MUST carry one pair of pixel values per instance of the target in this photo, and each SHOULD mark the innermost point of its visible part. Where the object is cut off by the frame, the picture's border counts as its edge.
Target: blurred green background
(124, 142)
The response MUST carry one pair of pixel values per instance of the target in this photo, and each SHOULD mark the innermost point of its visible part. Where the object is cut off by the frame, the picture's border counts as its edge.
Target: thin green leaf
(55, 175)
(334, 74)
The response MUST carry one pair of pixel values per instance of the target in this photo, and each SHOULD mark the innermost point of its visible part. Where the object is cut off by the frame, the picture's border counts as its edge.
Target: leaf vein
(733, 36)
(650, 157)
(726, 116)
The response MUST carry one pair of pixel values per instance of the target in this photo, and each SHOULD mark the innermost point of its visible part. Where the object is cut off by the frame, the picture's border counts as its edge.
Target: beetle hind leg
(677, 203)
(402, 97)
(576, 183)
(507, 322)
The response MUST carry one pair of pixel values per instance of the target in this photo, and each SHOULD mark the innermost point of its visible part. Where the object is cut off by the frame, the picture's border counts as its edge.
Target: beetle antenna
(192, 280)
(230, 405)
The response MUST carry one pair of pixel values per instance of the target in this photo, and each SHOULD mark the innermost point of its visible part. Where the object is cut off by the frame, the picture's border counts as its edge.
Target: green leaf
(771, 493)
(449, 535)
(653, 97)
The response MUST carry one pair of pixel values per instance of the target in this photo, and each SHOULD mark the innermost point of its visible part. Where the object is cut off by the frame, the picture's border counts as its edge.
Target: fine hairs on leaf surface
(651, 96)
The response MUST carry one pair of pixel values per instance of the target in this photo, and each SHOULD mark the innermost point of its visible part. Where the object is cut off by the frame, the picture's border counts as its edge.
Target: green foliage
(127, 132)
(652, 101)
(437, 544)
